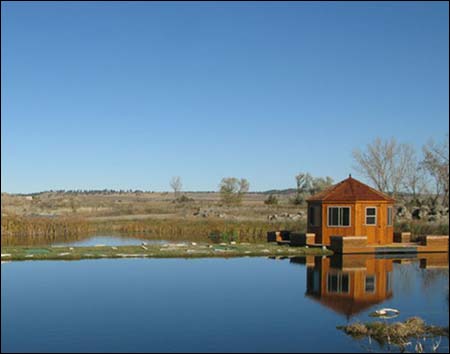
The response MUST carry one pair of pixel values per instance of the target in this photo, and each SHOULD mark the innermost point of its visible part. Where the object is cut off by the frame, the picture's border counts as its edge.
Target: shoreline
(173, 250)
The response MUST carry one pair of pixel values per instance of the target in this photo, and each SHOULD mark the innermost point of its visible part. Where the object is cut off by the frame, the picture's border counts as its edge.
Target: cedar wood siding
(378, 234)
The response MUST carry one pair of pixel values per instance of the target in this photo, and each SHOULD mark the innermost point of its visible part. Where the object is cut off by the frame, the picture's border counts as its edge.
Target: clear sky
(127, 95)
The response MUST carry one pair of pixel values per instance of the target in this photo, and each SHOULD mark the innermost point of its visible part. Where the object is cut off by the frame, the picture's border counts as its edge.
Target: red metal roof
(350, 190)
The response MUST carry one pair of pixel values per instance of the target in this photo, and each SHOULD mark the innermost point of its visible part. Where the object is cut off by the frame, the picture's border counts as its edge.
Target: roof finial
(349, 175)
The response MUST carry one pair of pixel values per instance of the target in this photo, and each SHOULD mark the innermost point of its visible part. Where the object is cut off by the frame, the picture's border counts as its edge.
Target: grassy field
(53, 216)
(174, 250)
(142, 205)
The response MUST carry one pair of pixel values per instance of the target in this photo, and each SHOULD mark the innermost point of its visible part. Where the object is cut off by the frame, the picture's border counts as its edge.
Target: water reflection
(215, 305)
(110, 239)
(350, 284)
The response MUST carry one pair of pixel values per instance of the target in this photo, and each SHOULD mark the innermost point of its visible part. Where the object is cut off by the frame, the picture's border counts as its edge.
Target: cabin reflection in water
(350, 284)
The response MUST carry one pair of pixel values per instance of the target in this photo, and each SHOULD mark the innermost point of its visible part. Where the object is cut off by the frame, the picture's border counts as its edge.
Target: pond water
(82, 240)
(212, 305)
(107, 241)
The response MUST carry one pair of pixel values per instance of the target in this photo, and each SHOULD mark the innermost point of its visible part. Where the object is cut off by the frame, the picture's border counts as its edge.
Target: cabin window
(313, 280)
(371, 216)
(389, 282)
(389, 216)
(314, 215)
(370, 283)
(338, 216)
(338, 282)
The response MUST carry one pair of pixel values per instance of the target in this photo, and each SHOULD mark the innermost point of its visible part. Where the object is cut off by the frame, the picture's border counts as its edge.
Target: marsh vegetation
(22, 231)
(413, 334)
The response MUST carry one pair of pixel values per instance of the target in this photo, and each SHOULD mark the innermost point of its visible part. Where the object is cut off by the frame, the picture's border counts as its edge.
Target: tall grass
(18, 230)
(201, 230)
(39, 226)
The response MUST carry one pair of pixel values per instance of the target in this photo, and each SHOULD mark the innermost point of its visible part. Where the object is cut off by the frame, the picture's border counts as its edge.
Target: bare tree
(176, 185)
(320, 183)
(436, 163)
(232, 190)
(385, 164)
(244, 186)
(415, 180)
(304, 184)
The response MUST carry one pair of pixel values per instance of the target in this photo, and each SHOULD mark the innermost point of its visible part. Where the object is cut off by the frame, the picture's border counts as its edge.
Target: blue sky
(127, 95)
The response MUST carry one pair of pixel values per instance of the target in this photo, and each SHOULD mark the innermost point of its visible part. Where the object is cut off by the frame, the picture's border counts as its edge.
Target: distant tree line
(89, 191)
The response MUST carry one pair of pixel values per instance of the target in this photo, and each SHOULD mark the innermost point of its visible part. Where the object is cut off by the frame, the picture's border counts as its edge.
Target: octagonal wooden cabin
(351, 208)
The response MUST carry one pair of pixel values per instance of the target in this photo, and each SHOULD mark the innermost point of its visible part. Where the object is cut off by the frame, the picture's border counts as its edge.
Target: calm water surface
(81, 240)
(211, 305)
(108, 241)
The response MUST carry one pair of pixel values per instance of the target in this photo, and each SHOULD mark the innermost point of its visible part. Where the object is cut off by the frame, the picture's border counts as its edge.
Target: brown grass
(19, 230)
(397, 333)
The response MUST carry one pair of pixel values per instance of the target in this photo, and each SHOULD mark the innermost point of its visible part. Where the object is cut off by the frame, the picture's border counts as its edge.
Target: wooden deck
(359, 244)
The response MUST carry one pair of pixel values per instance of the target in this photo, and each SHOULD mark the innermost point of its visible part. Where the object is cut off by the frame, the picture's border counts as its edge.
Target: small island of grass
(170, 250)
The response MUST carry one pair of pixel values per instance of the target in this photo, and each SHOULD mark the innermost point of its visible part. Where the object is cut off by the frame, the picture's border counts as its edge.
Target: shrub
(184, 199)
(271, 200)
(226, 236)
(298, 200)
